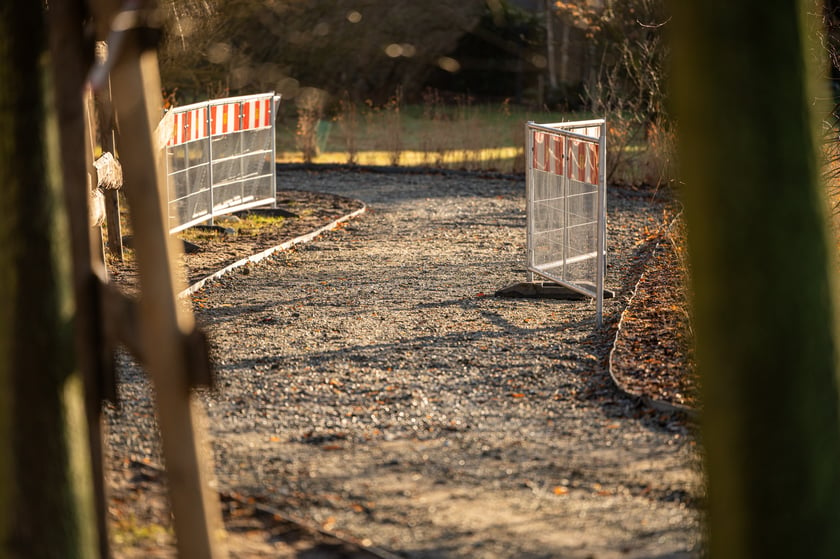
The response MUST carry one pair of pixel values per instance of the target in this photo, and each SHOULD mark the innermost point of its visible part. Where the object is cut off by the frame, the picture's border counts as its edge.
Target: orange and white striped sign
(583, 161)
(188, 126)
(557, 153)
(256, 114)
(549, 152)
(224, 119)
(193, 124)
(580, 163)
(541, 155)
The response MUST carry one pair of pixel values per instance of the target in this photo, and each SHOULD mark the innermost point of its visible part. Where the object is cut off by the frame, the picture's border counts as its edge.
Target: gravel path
(371, 383)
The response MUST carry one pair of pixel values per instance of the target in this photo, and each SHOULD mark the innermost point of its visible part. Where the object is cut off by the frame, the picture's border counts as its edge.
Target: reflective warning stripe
(549, 152)
(558, 154)
(177, 129)
(224, 119)
(255, 114)
(188, 126)
(197, 125)
(544, 150)
(593, 162)
(584, 161)
(581, 168)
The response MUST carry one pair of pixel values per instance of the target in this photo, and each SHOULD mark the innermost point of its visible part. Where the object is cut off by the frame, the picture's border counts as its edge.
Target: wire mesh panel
(220, 158)
(188, 166)
(566, 200)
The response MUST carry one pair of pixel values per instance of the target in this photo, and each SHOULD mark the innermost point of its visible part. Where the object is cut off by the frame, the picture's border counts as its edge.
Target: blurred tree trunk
(45, 491)
(761, 258)
(549, 42)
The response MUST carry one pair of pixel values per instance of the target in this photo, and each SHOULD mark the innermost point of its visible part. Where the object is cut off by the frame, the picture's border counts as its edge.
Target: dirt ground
(311, 211)
(376, 400)
(653, 356)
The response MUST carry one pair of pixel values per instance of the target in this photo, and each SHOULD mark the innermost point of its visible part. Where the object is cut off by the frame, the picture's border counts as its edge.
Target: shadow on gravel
(406, 177)
(614, 402)
(223, 314)
(505, 332)
(506, 327)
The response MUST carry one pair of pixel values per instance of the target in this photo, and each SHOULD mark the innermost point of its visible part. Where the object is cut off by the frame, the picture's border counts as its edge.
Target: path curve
(370, 383)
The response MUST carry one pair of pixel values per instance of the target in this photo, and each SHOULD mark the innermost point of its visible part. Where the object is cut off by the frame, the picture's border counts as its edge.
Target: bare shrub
(348, 122)
(629, 88)
(310, 108)
(432, 139)
(393, 127)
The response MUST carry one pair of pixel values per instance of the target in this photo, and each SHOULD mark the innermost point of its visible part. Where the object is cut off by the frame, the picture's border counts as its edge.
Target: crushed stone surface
(370, 383)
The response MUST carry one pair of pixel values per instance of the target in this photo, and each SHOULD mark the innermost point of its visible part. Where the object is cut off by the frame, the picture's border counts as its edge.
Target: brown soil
(217, 250)
(139, 513)
(653, 356)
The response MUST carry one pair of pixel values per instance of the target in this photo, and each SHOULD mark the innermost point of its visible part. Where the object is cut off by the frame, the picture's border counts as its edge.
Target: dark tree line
(366, 49)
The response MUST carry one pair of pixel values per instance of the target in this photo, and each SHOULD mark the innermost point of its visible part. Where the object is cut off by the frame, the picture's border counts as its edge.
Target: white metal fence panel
(566, 205)
(220, 158)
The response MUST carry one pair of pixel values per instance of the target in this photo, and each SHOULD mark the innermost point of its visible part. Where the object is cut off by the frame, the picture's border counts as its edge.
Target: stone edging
(659, 405)
(197, 286)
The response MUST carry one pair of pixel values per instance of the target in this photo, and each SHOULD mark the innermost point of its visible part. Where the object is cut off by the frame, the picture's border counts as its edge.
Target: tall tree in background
(625, 80)
(46, 509)
(763, 278)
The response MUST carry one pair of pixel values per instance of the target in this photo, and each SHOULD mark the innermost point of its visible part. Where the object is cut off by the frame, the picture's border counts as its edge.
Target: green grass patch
(251, 224)
(462, 135)
(130, 532)
(454, 135)
(254, 222)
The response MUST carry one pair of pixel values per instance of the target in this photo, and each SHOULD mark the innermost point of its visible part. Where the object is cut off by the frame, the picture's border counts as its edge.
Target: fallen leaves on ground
(653, 356)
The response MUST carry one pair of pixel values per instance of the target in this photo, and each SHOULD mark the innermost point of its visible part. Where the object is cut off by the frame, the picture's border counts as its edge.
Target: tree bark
(46, 508)
(549, 42)
(761, 259)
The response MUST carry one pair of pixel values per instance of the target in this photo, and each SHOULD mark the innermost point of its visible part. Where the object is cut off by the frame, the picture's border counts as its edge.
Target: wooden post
(107, 132)
(46, 502)
(764, 280)
(70, 66)
(165, 323)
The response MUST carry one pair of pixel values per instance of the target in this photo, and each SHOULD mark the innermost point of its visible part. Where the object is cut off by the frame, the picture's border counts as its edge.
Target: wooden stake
(165, 324)
(70, 65)
(107, 132)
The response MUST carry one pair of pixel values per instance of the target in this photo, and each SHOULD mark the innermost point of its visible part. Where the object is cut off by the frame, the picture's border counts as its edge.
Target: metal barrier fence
(566, 205)
(219, 158)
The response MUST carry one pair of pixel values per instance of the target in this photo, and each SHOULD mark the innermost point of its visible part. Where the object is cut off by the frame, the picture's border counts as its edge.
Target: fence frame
(570, 130)
(183, 132)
